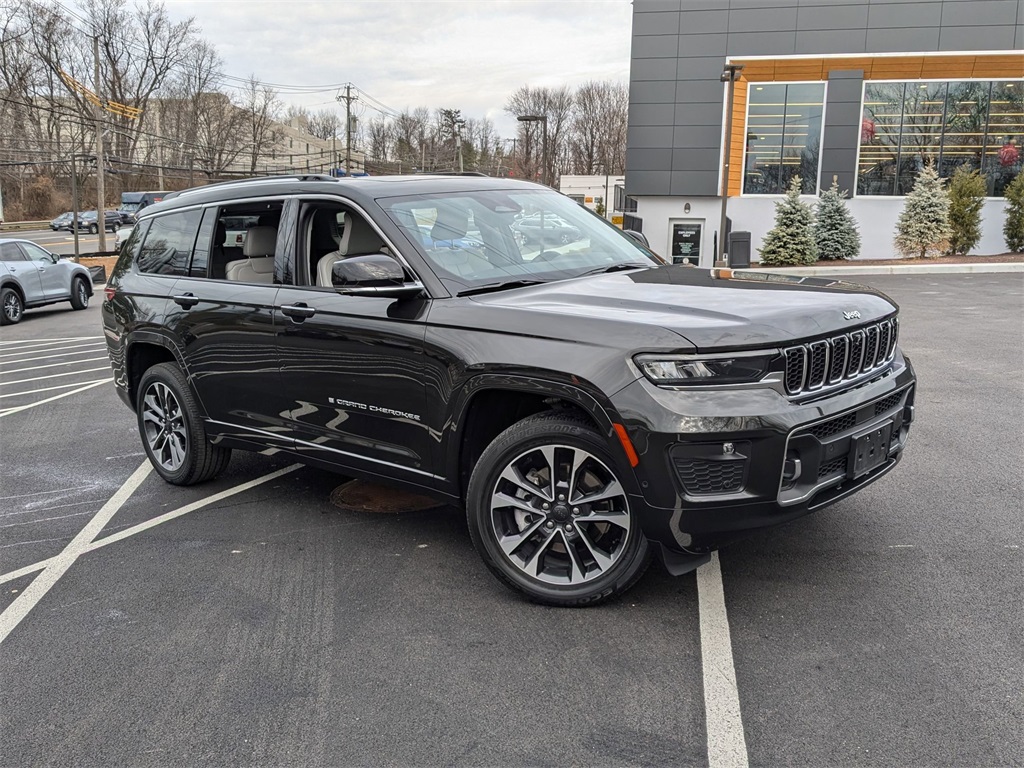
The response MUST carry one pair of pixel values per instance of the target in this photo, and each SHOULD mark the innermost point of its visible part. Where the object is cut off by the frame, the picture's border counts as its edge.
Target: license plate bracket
(869, 450)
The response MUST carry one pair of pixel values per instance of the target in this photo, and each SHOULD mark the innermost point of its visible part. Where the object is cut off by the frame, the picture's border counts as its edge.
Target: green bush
(1013, 229)
(966, 199)
(923, 226)
(835, 229)
(791, 240)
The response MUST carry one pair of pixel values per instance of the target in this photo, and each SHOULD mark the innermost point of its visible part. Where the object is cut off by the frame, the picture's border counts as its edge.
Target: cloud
(408, 53)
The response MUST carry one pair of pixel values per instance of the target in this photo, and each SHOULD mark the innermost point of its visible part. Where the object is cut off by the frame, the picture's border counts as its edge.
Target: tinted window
(11, 252)
(168, 244)
(201, 254)
(35, 253)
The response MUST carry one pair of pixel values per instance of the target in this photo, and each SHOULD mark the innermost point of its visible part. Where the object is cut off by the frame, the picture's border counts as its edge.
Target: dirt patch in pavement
(359, 496)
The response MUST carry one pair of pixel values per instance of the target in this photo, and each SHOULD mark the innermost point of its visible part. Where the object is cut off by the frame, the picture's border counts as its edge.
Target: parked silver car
(31, 277)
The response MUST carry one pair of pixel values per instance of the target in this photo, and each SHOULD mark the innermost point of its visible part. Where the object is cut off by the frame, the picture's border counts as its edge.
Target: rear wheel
(172, 430)
(79, 293)
(549, 513)
(93, 229)
(11, 306)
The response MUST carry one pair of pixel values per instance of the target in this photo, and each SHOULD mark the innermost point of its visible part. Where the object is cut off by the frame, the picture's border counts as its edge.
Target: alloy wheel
(164, 425)
(560, 515)
(12, 307)
(83, 294)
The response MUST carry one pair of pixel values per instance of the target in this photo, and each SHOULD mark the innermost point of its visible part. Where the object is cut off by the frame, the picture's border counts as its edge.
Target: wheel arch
(143, 350)
(82, 272)
(489, 403)
(10, 282)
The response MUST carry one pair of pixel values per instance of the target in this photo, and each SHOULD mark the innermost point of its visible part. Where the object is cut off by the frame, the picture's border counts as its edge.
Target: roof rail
(255, 179)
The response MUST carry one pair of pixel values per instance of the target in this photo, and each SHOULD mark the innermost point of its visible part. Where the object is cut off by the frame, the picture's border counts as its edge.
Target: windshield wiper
(613, 268)
(490, 287)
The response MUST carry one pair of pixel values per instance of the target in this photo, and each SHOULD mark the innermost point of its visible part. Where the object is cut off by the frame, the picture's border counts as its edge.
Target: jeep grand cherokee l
(588, 405)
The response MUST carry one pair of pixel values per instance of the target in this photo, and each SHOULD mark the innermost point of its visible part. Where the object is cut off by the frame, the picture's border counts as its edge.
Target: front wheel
(93, 229)
(549, 514)
(79, 293)
(172, 430)
(11, 306)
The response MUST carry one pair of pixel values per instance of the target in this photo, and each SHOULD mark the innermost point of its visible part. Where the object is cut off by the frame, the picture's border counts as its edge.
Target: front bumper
(716, 463)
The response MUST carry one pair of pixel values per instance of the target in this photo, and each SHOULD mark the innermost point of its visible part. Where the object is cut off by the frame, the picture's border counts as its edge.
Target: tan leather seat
(358, 239)
(258, 266)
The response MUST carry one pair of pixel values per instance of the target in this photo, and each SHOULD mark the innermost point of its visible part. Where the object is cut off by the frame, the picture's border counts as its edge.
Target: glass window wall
(947, 124)
(783, 137)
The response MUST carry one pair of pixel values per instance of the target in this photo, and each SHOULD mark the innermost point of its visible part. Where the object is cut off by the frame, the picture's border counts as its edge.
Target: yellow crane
(113, 107)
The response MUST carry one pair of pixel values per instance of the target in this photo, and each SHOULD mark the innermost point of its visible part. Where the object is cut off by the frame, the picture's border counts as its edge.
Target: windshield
(489, 237)
(129, 207)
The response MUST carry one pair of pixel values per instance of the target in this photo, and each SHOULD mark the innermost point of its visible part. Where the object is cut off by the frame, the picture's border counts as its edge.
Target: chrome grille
(840, 358)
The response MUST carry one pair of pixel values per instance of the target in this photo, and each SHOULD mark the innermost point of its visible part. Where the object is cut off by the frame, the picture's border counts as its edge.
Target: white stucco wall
(876, 217)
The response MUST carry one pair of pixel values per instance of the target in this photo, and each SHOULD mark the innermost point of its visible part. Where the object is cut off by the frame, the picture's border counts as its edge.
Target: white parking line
(46, 493)
(51, 365)
(158, 520)
(28, 343)
(58, 352)
(50, 389)
(58, 566)
(55, 375)
(727, 746)
(20, 408)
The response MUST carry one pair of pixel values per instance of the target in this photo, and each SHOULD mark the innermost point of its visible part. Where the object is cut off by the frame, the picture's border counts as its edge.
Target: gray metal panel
(702, 45)
(694, 183)
(973, 38)
(778, 19)
(699, 113)
(978, 12)
(762, 44)
(700, 90)
(830, 41)
(647, 182)
(652, 92)
(899, 40)
(649, 136)
(655, 46)
(703, 22)
(833, 17)
(899, 16)
(841, 135)
(686, 136)
(653, 69)
(652, 114)
(700, 67)
(655, 23)
(657, 5)
(649, 159)
(696, 159)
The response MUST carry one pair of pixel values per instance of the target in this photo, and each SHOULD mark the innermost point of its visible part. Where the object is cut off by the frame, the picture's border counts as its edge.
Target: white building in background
(602, 194)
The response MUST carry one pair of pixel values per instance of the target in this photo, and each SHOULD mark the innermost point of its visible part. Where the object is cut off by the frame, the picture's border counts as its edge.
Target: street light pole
(544, 145)
(729, 75)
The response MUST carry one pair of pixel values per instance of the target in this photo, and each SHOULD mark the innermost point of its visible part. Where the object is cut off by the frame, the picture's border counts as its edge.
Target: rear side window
(167, 249)
(11, 252)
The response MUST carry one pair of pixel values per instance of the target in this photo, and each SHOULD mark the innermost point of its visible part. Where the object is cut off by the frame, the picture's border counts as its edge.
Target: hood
(749, 309)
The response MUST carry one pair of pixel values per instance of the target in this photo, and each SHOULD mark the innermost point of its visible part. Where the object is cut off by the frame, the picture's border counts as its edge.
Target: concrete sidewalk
(898, 269)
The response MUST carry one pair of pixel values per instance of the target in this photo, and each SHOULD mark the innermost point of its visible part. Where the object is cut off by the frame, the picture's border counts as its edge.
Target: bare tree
(324, 124)
(261, 107)
(598, 128)
(381, 135)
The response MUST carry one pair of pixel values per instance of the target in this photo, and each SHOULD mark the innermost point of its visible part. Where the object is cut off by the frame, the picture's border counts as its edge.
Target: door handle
(298, 312)
(186, 300)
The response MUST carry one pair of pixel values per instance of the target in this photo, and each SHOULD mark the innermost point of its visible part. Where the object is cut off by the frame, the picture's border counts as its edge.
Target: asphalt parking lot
(251, 621)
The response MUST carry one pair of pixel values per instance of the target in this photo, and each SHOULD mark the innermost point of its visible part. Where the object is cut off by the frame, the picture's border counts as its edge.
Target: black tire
(93, 229)
(569, 550)
(185, 434)
(11, 306)
(79, 293)
(114, 228)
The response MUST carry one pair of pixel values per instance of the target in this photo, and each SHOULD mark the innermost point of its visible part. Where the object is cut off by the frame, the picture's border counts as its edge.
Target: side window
(201, 254)
(11, 252)
(167, 248)
(332, 233)
(242, 241)
(35, 253)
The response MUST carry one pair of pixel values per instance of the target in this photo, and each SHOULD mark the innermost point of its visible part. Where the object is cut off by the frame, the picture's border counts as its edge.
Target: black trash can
(739, 250)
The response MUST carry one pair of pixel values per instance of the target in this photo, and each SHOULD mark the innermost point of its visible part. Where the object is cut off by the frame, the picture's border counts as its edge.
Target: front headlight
(673, 371)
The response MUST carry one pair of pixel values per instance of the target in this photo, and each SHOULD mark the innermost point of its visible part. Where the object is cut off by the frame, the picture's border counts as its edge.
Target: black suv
(589, 405)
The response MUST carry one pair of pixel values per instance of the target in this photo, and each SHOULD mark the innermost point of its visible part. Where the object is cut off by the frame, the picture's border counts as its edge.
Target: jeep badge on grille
(852, 314)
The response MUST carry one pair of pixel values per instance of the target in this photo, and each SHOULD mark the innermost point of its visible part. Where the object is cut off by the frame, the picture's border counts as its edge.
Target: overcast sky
(462, 54)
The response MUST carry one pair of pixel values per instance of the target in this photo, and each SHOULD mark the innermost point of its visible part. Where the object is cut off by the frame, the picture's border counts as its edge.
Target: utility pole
(97, 111)
(348, 98)
(159, 148)
(74, 199)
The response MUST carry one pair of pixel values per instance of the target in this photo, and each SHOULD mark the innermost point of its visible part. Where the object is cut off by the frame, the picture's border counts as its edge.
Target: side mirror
(54, 257)
(375, 274)
(638, 236)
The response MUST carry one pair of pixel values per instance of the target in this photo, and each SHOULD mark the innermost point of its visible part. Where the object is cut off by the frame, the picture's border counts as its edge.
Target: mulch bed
(998, 259)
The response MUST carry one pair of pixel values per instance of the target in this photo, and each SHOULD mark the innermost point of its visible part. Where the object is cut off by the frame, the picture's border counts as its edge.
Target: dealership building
(865, 92)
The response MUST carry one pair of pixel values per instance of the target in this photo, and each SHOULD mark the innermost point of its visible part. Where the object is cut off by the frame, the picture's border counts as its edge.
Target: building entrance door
(686, 238)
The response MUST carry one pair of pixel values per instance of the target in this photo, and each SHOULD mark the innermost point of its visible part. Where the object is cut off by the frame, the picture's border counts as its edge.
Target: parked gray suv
(31, 277)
